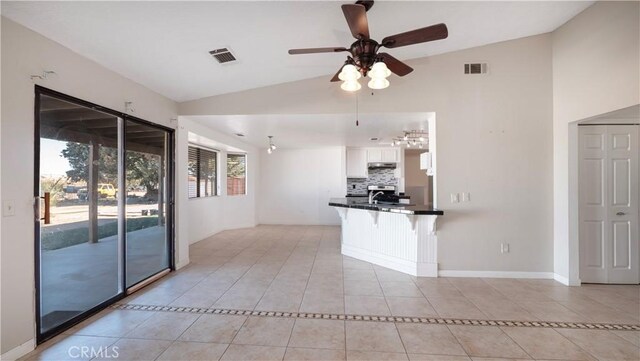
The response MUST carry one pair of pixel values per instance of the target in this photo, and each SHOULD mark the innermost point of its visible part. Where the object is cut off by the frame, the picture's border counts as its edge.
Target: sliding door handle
(620, 214)
(47, 208)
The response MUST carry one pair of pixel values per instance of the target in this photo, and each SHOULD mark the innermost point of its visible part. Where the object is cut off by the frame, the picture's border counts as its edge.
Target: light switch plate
(8, 208)
(455, 198)
(466, 197)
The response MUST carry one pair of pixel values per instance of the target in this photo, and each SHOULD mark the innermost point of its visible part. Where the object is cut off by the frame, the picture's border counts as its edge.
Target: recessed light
(240, 134)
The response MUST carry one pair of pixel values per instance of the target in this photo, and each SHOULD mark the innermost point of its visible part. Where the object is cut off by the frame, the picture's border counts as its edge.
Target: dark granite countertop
(359, 203)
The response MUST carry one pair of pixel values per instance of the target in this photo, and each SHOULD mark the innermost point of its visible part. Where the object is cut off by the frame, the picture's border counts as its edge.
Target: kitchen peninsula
(397, 236)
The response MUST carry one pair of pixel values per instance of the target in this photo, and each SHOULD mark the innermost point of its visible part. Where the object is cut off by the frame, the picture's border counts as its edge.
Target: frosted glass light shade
(379, 70)
(351, 85)
(349, 72)
(378, 83)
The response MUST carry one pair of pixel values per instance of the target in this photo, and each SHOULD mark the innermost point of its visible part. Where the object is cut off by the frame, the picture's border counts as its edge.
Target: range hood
(381, 165)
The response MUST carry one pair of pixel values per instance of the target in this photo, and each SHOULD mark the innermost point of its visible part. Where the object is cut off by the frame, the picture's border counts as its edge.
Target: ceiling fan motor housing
(364, 53)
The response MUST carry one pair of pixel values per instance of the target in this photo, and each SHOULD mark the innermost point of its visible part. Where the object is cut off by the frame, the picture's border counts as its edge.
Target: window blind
(202, 172)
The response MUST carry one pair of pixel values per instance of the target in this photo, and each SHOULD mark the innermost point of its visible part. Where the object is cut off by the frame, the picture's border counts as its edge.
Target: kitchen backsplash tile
(377, 176)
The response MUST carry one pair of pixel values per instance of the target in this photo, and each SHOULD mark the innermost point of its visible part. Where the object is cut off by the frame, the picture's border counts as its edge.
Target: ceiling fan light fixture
(378, 83)
(379, 70)
(349, 73)
(351, 85)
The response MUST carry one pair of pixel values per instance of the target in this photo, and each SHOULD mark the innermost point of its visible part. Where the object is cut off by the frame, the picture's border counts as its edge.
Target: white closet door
(608, 213)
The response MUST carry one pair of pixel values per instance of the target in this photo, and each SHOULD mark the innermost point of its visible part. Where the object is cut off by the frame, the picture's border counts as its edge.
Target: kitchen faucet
(373, 196)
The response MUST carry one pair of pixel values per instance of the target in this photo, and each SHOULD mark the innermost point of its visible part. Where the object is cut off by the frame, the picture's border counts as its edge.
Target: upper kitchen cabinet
(383, 155)
(357, 163)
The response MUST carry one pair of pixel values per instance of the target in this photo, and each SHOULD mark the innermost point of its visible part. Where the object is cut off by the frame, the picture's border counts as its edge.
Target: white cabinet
(382, 155)
(390, 156)
(426, 163)
(374, 155)
(357, 163)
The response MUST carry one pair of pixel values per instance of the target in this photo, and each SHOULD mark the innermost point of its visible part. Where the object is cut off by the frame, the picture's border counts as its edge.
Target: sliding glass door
(79, 248)
(103, 215)
(147, 181)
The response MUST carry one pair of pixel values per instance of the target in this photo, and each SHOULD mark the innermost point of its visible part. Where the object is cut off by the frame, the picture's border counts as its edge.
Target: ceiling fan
(364, 58)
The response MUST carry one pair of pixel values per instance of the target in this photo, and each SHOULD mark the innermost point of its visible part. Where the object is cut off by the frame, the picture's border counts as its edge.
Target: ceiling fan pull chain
(357, 121)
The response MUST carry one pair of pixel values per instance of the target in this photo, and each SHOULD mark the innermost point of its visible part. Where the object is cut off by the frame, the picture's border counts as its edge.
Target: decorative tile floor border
(372, 318)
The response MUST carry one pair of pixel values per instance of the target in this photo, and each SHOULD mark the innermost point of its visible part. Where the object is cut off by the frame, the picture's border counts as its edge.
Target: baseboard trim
(394, 263)
(19, 351)
(240, 226)
(496, 274)
(562, 279)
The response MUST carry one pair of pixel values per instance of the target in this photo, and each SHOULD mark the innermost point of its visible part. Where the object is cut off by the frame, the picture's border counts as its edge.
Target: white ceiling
(164, 45)
(317, 130)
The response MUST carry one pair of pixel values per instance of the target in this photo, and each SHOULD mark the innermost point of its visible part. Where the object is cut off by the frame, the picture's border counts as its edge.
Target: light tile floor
(300, 269)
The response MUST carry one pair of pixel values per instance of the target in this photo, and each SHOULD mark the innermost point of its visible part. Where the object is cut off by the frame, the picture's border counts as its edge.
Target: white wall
(595, 71)
(296, 184)
(494, 140)
(25, 53)
(200, 218)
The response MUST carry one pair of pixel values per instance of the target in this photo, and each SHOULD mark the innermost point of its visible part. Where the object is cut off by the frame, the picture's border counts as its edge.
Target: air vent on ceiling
(223, 55)
(475, 68)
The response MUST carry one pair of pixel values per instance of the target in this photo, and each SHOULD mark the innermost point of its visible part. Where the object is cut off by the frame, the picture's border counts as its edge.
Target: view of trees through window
(236, 174)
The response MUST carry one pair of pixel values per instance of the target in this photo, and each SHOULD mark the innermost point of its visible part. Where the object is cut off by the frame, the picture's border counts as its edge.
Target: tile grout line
(395, 326)
(276, 276)
(380, 318)
(315, 256)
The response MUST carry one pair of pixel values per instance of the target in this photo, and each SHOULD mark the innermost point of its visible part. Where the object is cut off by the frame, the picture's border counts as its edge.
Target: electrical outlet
(455, 198)
(466, 197)
(504, 247)
(8, 208)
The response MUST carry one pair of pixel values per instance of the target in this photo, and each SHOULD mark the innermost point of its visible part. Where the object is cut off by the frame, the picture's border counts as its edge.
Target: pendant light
(272, 146)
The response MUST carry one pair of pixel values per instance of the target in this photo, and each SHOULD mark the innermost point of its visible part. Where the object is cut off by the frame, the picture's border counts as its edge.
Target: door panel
(621, 182)
(594, 240)
(594, 189)
(608, 197)
(78, 245)
(621, 245)
(147, 237)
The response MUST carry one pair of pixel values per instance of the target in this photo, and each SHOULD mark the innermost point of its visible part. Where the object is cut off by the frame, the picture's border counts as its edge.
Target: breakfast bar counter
(397, 236)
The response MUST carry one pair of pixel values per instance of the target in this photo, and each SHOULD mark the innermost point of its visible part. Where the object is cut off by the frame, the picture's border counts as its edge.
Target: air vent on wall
(475, 68)
(223, 55)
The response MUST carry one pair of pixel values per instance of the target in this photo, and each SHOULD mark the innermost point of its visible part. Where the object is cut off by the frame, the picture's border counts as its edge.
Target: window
(236, 174)
(202, 172)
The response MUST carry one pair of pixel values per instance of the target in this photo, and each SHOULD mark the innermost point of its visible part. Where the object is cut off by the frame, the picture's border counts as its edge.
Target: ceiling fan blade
(335, 77)
(396, 66)
(316, 50)
(356, 16)
(430, 33)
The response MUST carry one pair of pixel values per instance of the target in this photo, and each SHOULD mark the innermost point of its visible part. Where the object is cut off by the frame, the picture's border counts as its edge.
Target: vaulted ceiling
(165, 45)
